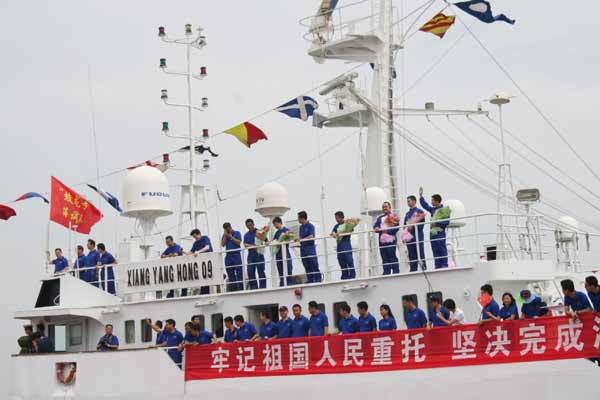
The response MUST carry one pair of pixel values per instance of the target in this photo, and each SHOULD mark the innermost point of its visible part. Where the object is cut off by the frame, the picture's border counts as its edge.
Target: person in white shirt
(457, 316)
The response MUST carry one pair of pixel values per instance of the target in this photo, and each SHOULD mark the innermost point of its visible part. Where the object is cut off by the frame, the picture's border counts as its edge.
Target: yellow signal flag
(439, 24)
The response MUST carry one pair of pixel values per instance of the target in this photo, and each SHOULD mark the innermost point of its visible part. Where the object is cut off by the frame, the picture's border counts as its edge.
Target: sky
(54, 54)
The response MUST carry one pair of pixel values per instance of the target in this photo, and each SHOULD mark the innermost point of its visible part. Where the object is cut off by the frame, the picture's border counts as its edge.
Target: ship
(512, 247)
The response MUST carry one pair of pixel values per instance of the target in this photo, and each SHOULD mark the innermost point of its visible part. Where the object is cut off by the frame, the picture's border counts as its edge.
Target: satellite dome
(146, 193)
(374, 197)
(272, 200)
(457, 210)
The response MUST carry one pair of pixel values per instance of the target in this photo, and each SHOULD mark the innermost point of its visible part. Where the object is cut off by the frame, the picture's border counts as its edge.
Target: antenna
(190, 41)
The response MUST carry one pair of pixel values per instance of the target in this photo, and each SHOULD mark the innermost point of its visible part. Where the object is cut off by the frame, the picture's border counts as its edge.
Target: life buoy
(60, 373)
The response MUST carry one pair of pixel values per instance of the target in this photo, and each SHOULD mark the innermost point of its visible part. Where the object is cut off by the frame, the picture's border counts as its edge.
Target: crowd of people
(387, 226)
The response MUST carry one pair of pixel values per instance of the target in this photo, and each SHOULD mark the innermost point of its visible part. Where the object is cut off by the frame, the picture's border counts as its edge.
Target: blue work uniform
(178, 251)
(197, 246)
(318, 323)
(535, 308)
(105, 259)
(387, 250)
(268, 330)
(284, 328)
(231, 335)
(595, 298)
(415, 319)
(91, 261)
(416, 248)
(435, 320)
(580, 302)
(387, 324)
(160, 337)
(60, 264)
(300, 326)
(256, 263)
(344, 254)
(279, 259)
(108, 339)
(492, 308)
(438, 241)
(205, 337)
(79, 263)
(308, 252)
(233, 262)
(349, 325)
(173, 339)
(505, 312)
(246, 331)
(367, 323)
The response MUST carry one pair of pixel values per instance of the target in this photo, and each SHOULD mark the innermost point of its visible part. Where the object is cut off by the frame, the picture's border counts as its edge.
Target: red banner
(69, 208)
(539, 339)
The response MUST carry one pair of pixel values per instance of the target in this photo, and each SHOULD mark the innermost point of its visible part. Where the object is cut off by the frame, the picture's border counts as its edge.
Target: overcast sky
(256, 59)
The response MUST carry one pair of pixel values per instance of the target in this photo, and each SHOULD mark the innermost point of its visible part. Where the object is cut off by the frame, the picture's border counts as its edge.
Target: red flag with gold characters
(70, 209)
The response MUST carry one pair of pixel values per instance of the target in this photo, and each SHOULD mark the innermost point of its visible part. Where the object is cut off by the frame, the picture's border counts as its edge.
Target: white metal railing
(466, 245)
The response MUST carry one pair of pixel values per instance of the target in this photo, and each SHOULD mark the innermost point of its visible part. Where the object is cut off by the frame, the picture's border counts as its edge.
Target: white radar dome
(375, 197)
(566, 227)
(146, 193)
(457, 210)
(272, 200)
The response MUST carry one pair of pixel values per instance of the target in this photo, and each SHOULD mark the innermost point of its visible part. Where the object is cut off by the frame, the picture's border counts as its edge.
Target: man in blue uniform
(319, 324)
(348, 322)
(435, 308)
(268, 328)
(106, 273)
(593, 291)
(387, 240)
(41, 343)
(246, 331)
(109, 341)
(197, 336)
(158, 328)
(492, 309)
(344, 248)
(533, 306)
(415, 246)
(232, 240)
(284, 325)
(231, 332)
(172, 338)
(91, 264)
(575, 302)
(79, 262)
(201, 245)
(256, 258)
(308, 250)
(172, 250)
(437, 237)
(300, 324)
(289, 281)
(60, 262)
(366, 321)
(413, 316)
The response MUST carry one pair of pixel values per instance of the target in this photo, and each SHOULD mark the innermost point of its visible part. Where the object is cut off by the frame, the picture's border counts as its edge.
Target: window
(429, 296)
(58, 335)
(75, 335)
(146, 331)
(415, 299)
(199, 319)
(217, 324)
(130, 331)
(336, 313)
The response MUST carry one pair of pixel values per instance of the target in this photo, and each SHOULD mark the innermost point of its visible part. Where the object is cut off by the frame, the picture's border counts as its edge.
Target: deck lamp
(161, 31)
(163, 63)
(164, 94)
(204, 102)
(188, 29)
(166, 158)
(528, 196)
(205, 133)
(203, 72)
(165, 126)
(205, 164)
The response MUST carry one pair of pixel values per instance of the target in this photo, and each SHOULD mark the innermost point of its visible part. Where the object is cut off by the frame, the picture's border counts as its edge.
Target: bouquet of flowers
(346, 227)
(441, 214)
(407, 235)
(284, 237)
(390, 221)
(261, 238)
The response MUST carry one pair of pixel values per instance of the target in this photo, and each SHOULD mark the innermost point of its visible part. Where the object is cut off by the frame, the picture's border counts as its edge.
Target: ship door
(254, 313)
